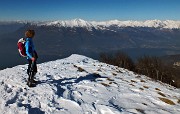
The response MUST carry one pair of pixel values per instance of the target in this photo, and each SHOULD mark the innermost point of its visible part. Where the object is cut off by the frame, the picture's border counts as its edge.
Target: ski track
(81, 85)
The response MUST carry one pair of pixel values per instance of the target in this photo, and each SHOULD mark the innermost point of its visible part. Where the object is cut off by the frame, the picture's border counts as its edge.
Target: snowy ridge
(81, 85)
(71, 23)
(169, 24)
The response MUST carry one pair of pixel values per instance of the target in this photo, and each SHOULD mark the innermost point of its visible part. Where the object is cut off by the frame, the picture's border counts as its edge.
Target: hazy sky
(89, 9)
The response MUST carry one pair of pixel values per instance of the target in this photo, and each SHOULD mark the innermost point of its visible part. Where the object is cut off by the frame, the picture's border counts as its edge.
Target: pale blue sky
(97, 10)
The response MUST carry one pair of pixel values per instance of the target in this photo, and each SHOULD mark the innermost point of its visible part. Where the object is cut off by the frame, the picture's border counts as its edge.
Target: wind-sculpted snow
(81, 85)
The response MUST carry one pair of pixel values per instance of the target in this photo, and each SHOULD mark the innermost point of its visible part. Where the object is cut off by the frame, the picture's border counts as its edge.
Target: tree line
(151, 66)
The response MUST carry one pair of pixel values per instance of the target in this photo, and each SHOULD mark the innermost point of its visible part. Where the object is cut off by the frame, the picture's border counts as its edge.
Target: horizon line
(18, 20)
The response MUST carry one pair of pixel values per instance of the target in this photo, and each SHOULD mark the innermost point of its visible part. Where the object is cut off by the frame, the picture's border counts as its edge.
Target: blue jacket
(30, 49)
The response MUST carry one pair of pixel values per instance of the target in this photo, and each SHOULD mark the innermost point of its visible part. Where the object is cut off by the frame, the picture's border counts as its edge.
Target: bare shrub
(119, 59)
(156, 69)
(152, 67)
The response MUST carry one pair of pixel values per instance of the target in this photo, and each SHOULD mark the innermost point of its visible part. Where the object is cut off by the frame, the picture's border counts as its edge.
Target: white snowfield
(81, 85)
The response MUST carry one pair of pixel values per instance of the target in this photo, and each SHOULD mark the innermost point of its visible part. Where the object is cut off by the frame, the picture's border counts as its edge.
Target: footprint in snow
(8, 88)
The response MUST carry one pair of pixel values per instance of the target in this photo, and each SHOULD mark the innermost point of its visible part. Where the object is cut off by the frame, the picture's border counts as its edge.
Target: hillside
(81, 85)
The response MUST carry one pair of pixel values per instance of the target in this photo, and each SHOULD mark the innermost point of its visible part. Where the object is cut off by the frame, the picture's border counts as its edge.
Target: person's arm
(27, 46)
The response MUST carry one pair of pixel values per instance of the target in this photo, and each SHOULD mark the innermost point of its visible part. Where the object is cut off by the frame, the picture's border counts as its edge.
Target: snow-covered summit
(170, 24)
(70, 23)
(81, 85)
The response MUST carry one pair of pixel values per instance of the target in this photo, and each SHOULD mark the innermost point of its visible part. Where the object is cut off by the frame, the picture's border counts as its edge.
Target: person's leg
(29, 69)
(34, 67)
(34, 70)
(30, 73)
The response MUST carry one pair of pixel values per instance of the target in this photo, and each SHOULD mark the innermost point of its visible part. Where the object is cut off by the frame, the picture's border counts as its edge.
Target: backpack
(21, 47)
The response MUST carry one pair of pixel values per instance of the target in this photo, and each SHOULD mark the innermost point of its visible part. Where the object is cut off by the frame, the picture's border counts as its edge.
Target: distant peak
(78, 19)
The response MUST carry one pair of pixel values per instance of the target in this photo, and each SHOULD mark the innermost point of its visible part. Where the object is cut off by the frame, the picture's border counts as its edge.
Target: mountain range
(57, 39)
(169, 24)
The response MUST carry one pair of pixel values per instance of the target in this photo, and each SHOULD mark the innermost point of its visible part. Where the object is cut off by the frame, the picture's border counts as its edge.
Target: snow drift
(81, 85)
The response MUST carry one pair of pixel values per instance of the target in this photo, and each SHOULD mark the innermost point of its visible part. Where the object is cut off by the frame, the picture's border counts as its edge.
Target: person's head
(29, 33)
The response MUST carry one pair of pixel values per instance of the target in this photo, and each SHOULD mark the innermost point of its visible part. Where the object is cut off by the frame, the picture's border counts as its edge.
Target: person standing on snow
(31, 56)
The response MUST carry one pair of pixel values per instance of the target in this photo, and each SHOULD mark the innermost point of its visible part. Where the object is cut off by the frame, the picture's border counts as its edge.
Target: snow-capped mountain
(82, 23)
(70, 23)
(81, 85)
(169, 24)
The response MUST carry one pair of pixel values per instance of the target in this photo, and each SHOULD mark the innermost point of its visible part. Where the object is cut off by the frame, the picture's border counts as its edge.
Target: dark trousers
(32, 68)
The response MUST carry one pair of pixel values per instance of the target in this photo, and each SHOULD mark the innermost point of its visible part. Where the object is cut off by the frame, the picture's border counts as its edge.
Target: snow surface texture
(169, 24)
(81, 85)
